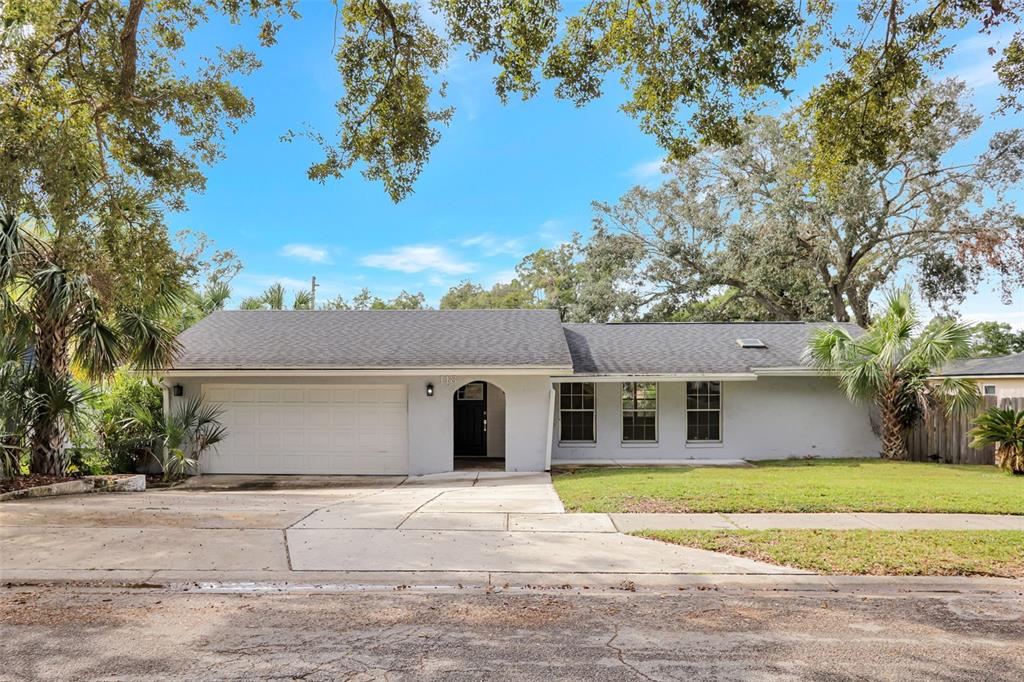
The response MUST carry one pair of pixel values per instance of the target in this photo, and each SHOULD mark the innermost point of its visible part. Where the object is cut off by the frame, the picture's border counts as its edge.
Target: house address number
(450, 379)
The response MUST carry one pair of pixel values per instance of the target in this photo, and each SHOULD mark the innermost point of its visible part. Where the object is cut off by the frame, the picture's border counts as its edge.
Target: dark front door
(471, 420)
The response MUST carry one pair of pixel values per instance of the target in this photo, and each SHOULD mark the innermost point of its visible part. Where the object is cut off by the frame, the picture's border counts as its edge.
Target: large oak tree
(752, 221)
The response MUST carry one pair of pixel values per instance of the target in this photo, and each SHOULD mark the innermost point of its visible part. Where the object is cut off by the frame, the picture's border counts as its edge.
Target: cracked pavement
(89, 634)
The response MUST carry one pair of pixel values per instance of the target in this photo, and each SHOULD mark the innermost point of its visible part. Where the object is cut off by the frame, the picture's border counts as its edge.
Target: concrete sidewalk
(625, 523)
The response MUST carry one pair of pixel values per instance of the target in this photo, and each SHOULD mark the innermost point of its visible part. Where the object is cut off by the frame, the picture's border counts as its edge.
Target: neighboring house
(395, 392)
(999, 377)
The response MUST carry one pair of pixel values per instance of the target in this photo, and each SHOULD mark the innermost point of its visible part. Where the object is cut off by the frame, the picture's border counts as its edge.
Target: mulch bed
(31, 481)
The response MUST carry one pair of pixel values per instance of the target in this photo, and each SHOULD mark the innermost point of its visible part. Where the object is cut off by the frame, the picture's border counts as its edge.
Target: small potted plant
(1003, 428)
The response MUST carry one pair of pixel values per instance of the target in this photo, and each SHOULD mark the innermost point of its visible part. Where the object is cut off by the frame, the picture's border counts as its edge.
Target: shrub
(125, 442)
(1004, 428)
(183, 438)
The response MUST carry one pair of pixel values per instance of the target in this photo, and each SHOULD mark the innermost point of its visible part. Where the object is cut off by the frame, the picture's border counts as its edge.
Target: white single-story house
(408, 392)
(997, 377)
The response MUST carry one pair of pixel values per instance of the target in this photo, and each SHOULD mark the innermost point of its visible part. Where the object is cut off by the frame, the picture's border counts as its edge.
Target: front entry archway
(478, 413)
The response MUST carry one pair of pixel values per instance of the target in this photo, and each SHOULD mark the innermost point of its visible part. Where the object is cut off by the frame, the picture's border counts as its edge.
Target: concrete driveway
(478, 528)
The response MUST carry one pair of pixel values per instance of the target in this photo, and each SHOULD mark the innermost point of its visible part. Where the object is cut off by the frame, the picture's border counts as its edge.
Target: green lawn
(867, 552)
(795, 486)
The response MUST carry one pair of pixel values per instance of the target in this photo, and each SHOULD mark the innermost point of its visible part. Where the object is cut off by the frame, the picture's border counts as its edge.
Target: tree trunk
(48, 447)
(47, 436)
(893, 444)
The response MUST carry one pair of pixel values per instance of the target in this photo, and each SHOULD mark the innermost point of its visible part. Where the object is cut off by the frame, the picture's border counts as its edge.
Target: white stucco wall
(431, 427)
(770, 418)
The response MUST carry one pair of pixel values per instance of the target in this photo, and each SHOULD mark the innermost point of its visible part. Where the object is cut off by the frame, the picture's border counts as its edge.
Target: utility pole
(312, 289)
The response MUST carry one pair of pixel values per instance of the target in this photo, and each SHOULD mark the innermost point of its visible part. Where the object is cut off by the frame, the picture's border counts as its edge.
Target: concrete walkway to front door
(484, 521)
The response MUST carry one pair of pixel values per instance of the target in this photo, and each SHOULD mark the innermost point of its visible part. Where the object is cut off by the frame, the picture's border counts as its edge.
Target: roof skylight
(750, 343)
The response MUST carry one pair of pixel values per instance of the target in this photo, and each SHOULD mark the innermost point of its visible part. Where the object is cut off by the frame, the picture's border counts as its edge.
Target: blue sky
(504, 181)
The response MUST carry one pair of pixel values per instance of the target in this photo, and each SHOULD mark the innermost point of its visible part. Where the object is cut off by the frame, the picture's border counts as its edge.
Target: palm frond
(98, 346)
(999, 426)
(303, 300)
(940, 343)
(274, 296)
(829, 348)
(957, 395)
(149, 343)
(215, 296)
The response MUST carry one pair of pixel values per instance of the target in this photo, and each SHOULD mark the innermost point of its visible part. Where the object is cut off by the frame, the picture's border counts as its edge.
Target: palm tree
(199, 304)
(891, 365)
(68, 326)
(273, 299)
(1004, 428)
(184, 437)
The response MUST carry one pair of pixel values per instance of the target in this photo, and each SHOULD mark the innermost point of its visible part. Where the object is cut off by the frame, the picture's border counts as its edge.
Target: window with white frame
(576, 412)
(703, 411)
(639, 412)
(989, 389)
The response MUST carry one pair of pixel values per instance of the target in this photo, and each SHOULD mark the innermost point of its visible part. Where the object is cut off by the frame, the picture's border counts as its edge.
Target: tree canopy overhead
(137, 119)
(752, 219)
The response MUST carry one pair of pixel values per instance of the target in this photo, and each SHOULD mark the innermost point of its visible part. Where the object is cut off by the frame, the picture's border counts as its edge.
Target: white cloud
(500, 277)
(971, 61)
(552, 231)
(1014, 318)
(418, 258)
(494, 246)
(314, 254)
(248, 280)
(647, 170)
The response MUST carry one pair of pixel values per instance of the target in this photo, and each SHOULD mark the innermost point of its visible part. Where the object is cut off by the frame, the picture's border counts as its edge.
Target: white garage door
(294, 429)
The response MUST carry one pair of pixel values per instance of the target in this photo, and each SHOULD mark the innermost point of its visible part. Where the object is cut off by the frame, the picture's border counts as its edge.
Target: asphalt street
(67, 633)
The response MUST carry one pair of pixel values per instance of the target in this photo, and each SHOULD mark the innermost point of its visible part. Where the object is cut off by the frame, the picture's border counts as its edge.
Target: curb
(130, 483)
(356, 581)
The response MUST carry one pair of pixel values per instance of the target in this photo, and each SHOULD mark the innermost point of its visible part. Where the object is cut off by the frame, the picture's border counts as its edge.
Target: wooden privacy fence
(945, 438)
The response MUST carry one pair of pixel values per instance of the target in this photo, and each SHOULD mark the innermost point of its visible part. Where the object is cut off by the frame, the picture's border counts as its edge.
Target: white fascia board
(390, 371)
(691, 376)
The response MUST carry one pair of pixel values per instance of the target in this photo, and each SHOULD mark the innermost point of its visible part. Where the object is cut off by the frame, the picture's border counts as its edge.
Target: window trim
(622, 416)
(721, 416)
(592, 411)
(994, 393)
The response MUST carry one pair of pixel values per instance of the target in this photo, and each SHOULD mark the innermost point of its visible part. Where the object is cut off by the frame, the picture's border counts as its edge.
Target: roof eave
(598, 377)
(543, 370)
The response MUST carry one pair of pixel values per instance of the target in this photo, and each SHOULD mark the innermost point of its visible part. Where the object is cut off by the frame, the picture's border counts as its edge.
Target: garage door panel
(268, 442)
(318, 442)
(311, 429)
(343, 418)
(219, 395)
(317, 416)
(293, 395)
(393, 396)
(343, 395)
(293, 415)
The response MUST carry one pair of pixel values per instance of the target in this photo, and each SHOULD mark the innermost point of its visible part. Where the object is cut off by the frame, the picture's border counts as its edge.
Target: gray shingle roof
(287, 339)
(979, 367)
(691, 347)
